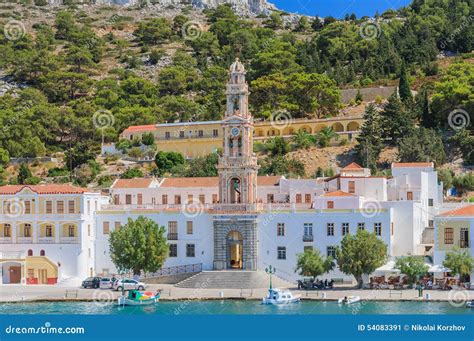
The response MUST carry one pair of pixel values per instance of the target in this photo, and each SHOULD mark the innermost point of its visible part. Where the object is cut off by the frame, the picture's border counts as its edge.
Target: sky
(338, 8)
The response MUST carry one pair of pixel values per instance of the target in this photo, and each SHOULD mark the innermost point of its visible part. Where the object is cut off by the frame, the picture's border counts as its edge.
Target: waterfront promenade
(19, 293)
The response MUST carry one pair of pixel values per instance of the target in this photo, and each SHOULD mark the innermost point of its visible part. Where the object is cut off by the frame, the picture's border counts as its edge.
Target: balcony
(172, 236)
(69, 240)
(12, 255)
(46, 240)
(308, 238)
(464, 244)
(24, 240)
(5, 240)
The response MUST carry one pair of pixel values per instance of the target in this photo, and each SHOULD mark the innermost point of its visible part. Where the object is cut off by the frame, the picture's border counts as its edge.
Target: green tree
(148, 139)
(446, 176)
(201, 166)
(302, 140)
(166, 161)
(277, 146)
(140, 245)
(24, 173)
(404, 84)
(422, 145)
(412, 266)
(358, 98)
(396, 120)
(464, 183)
(4, 157)
(132, 173)
(459, 262)
(325, 135)
(361, 254)
(370, 141)
(153, 31)
(463, 141)
(312, 263)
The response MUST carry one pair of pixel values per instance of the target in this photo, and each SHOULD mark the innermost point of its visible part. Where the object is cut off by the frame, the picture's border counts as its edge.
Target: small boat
(470, 304)
(277, 296)
(348, 300)
(136, 297)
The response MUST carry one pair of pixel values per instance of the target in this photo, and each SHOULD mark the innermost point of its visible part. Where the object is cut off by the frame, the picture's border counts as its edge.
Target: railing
(172, 236)
(46, 240)
(12, 254)
(5, 240)
(176, 270)
(68, 240)
(24, 240)
(308, 238)
(464, 244)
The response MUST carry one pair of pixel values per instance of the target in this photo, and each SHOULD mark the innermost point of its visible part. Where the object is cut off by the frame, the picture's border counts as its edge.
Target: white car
(128, 284)
(105, 283)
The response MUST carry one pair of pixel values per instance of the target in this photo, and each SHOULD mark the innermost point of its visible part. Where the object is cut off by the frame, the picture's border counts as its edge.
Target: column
(34, 232)
(56, 233)
(14, 228)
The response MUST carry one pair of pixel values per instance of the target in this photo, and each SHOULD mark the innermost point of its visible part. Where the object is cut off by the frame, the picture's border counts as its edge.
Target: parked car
(106, 283)
(91, 282)
(128, 284)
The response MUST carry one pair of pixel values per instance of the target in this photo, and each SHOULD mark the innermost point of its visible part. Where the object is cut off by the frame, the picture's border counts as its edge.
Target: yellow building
(201, 138)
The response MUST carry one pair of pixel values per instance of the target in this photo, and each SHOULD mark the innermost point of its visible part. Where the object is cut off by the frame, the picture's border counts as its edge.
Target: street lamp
(270, 270)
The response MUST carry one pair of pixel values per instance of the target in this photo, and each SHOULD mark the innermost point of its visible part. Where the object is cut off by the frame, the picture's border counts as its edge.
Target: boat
(136, 297)
(348, 300)
(470, 304)
(278, 296)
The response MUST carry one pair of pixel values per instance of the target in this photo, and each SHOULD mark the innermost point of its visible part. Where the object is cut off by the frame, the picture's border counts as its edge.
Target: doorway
(15, 274)
(235, 250)
(42, 276)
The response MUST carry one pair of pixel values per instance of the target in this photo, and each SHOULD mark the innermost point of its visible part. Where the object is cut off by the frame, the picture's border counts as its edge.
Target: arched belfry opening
(235, 191)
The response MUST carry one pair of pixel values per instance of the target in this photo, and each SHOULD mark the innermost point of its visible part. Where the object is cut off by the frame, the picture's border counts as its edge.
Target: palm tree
(325, 136)
(302, 140)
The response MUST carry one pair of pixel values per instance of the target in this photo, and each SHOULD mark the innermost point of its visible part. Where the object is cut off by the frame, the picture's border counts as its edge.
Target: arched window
(30, 252)
(42, 253)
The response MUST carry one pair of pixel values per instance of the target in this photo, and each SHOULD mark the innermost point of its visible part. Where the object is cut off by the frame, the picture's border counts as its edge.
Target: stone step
(233, 280)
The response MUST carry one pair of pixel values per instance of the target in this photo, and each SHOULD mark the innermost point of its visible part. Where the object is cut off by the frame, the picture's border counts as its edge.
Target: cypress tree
(404, 84)
(370, 142)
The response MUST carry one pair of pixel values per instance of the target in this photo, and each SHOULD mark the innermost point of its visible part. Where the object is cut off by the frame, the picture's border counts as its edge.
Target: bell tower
(238, 165)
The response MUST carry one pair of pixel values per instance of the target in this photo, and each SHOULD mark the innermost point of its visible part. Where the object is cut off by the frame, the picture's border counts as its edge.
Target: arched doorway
(235, 250)
(235, 191)
(11, 272)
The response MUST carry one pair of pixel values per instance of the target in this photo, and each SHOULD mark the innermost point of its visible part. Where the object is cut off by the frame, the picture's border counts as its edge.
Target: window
(105, 227)
(190, 248)
(88, 207)
(430, 223)
(71, 230)
(172, 230)
(116, 199)
(331, 251)
(280, 229)
(330, 229)
(378, 229)
(409, 195)
(270, 198)
(89, 230)
(351, 186)
(167, 135)
(430, 202)
(71, 206)
(48, 231)
(27, 207)
(30, 252)
(7, 230)
(298, 198)
(202, 198)
(200, 133)
(177, 199)
(464, 238)
(330, 204)
(308, 229)
(139, 199)
(117, 225)
(214, 199)
(128, 199)
(173, 250)
(42, 253)
(345, 228)
(190, 199)
(49, 207)
(60, 207)
(307, 198)
(27, 231)
(361, 226)
(164, 199)
(215, 133)
(281, 252)
(189, 227)
(181, 134)
(448, 235)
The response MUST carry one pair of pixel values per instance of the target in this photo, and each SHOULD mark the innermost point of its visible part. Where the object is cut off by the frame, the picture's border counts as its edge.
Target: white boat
(348, 300)
(137, 298)
(277, 296)
(470, 304)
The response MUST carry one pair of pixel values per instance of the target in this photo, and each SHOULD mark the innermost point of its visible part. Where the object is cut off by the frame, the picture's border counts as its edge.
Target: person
(345, 299)
(331, 283)
(325, 282)
(113, 280)
(158, 292)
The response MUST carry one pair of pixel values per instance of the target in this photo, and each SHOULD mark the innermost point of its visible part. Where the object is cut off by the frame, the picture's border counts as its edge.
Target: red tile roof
(352, 166)
(214, 181)
(133, 183)
(268, 180)
(338, 194)
(44, 189)
(412, 164)
(460, 212)
(139, 129)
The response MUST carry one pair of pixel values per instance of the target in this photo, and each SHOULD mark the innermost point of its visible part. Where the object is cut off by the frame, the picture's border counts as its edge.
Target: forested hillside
(80, 74)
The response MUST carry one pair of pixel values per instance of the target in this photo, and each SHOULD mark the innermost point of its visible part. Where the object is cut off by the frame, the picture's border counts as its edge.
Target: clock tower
(238, 165)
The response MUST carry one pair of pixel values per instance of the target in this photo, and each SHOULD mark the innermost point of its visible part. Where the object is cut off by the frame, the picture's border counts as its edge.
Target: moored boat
(136, 297)
(348, 300)
(470, 304)
(277, 296)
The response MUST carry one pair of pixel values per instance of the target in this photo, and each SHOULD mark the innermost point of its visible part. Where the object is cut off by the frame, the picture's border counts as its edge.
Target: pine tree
(396, 120)
(404, 84)
(23, 173)
(370, 142)
(424, 113)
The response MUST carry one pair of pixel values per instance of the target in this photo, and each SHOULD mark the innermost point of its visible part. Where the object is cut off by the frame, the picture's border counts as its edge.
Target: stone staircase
(233, 279)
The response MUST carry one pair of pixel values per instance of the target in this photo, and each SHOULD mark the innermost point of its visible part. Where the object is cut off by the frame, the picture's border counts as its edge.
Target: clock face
(235, 131)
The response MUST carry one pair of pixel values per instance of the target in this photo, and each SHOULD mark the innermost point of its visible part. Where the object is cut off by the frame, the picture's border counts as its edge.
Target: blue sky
(338, 8)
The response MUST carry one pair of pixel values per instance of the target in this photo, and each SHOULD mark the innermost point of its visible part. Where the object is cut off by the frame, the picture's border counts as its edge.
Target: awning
(389, 267)
(438, 268)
